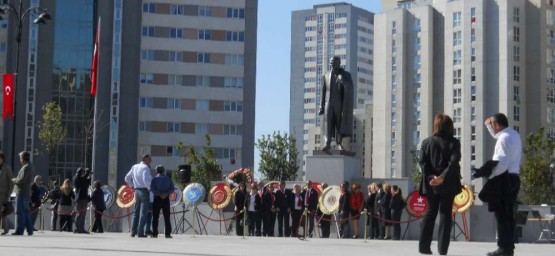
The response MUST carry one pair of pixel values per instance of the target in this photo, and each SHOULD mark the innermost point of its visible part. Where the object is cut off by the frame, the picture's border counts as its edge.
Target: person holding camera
(6, 188)
(81, 182)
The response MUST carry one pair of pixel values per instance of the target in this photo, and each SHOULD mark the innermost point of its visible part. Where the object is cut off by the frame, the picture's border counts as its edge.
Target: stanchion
(41, 219)
(365, 212)
(245, 222)
(194, 215)
(305, 214)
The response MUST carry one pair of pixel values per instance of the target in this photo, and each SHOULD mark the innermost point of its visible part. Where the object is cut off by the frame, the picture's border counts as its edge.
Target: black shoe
(169, 236)
(132, 235)
(154, 236)
(500, 252)
(29, 234)
(143, 236)
(4, 233)
(326, 148)
(17, 234)
(429, 252)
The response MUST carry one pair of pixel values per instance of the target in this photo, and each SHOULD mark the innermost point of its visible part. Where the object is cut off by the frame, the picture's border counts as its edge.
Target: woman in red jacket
(356, 200)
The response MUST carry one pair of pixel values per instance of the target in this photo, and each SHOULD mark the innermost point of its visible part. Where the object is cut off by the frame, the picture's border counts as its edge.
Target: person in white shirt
(139, 178)
(508, 153)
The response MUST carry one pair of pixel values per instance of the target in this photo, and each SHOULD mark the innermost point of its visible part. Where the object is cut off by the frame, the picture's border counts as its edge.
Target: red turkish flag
(9, 89)
(95, 63)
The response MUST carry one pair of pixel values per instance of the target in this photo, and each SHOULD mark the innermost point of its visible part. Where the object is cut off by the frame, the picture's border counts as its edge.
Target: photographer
(81, 182)
(53, 197)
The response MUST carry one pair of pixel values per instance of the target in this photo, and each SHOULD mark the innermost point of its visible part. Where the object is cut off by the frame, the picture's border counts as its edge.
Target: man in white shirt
(508, 153)
(139, 178)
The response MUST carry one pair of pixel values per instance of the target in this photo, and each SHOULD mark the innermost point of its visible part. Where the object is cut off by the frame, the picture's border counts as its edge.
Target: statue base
(332, 166)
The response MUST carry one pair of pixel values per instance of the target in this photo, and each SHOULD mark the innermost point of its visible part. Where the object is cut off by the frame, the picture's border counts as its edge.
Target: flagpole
(96, 56)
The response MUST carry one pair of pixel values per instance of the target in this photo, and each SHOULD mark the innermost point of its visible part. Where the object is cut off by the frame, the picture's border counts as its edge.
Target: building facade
(179, 70)
(468, 59)
(317, 34)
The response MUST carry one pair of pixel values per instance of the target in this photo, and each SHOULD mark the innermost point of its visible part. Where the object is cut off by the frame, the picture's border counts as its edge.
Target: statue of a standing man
(336, 104)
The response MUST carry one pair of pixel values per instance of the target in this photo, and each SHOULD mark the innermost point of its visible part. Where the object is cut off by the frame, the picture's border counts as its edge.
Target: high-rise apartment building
(468, 59)
(337, 29)
(197, 77)
(169, 71)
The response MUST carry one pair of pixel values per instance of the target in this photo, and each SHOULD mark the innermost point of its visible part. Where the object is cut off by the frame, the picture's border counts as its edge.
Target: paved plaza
(108, 244)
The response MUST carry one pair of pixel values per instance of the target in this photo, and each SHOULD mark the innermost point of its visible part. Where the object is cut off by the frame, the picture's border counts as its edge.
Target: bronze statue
(337, 104)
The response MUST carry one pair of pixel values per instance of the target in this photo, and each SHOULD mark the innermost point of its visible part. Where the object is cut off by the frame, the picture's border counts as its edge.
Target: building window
(516, 17)
(393, 101)
(235, 36)
(173, 127)
(149, 7)
(148, 31)
(393, 82)
(550, 115)
(551, 76)
(472, 35)
(393, 118)
(458, 133)
(236, 13)
(201, 128)
(416, 137)
(457, 115)
(204, 11)
(473, 74)
(516, 113)
(176, 33)
(233, 106)
(146, 78)
(176, 56)
(457, 16)
(473, 93)
(175, 80)
(173, 104)
(417, 44)
(393, 27)
(202, 105)
(232, 129)
(203, 81)
(473, 132)
(457, 96)
(457, 76)
(473, 113)
(417, 25)
(457, 38)
(417, 80)
(417, 64)
(516, 34)
(233, 82)
(177, 9)
(551, 95)
(393, 47)
(472, 15)
(472, 152)
(393, 64)
(516, 94)
(3, 47)
(516, 73)
(473, 54)
(457, 57)
(145, 54)
(204, 34)
(146, 102)
(516, 53)
(203, 57)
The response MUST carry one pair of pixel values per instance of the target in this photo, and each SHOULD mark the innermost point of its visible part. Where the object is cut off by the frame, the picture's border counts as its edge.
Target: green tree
(51, 131)
(278, 156)
(205, 168)
(537, 185)
(416, 171)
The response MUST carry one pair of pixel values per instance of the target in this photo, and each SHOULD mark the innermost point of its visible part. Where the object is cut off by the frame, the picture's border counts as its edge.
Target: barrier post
(305, 213)
(245, 222)
(365, 212)
(41, 220)
(194, 217)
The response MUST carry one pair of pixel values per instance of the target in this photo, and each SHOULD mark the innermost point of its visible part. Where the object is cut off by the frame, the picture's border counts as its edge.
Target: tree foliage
(278, 156)
(205, 168)
(416, 171)
(537, 178)
(51, 129)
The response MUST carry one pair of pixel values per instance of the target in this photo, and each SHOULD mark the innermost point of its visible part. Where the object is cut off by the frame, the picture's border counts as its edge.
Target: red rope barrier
(219, 220)
(372, 215)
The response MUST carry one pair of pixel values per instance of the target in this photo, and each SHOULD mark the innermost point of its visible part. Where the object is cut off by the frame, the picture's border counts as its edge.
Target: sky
(274, 58)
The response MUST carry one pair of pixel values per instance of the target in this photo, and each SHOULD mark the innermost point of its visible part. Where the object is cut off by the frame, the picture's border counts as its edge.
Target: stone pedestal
(332, 167)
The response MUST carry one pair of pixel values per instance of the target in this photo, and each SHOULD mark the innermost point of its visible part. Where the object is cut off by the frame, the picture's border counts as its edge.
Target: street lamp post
(20, 15)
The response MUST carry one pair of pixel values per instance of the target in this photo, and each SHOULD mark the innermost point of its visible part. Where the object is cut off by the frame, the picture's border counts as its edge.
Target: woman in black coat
(397, 205)
(385, 211)
(372, 221)
(97, 200)
(439, 160)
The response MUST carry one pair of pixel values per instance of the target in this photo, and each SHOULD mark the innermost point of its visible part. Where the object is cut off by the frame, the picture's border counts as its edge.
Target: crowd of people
(265, 204)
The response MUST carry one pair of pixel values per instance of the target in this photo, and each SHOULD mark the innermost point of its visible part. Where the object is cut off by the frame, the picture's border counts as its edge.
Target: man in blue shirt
(161, 187)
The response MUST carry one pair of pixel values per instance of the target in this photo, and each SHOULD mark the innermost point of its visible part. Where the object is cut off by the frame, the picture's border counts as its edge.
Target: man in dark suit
(297, 208)
(269, 202)
(260, 209)
(239, 198)
(283, 204)
(344, 210)
(381, 224)
(310, 197)
(253, 203)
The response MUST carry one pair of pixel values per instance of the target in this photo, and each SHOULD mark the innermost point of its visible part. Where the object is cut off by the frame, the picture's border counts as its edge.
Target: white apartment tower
(468, 59)
(317, 35)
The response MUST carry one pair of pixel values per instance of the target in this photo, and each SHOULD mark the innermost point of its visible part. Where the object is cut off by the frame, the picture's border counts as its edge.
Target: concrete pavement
(111, 244)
